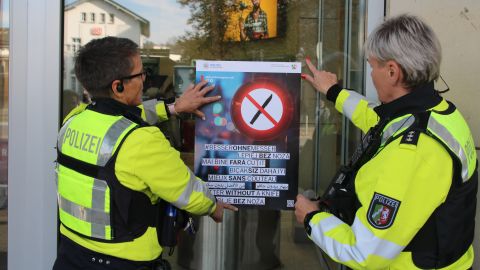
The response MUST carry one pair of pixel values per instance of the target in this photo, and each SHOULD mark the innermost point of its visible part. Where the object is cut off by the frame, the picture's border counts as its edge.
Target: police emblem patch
(382, 211)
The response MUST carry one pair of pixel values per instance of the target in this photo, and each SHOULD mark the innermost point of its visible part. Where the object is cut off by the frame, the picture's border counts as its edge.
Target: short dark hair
(101, 61)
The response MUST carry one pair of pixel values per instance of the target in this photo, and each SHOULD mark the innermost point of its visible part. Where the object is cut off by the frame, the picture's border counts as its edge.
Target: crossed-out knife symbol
(255, 117)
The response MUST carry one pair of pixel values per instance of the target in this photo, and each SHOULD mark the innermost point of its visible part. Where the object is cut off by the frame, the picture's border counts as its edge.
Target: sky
(5, 15)
(167, 18)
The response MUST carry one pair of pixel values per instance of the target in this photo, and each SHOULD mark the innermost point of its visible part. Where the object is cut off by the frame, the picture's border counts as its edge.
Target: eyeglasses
(144, 74)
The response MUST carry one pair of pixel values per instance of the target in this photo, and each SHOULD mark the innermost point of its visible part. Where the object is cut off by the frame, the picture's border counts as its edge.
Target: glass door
(172, 35)
(341, 37)
(4, 64)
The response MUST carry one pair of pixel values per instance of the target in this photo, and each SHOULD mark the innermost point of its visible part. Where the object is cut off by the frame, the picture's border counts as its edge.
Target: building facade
(87, 20)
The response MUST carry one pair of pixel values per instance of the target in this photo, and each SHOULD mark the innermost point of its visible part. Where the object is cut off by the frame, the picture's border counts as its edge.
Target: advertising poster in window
(247, 147)
(249, 20)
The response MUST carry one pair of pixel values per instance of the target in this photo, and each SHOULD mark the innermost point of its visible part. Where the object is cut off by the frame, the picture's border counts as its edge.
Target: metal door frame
(34, 90)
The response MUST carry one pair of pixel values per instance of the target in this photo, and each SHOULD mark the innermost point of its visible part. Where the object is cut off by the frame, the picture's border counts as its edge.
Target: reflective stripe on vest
(193, 185)
(457, 139)
(61, 133)
(351, 103)
(110, 139)
(96, 215)
(399, 125)
(150, 109)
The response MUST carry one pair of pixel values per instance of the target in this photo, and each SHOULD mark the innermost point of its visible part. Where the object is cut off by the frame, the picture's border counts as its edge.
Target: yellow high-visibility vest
(415, 183)
(85, 200)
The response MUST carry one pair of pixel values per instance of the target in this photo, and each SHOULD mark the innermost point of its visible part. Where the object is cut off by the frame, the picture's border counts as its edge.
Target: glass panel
(172, 34)
(342, 36)
(4, 53)
(354, 70)
(329, 120)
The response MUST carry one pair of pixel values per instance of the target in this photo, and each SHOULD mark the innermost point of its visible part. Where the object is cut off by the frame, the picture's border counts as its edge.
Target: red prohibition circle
(278, 127)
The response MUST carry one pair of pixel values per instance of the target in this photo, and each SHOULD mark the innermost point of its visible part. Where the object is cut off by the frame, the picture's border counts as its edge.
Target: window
(74, 83)
(83, 17)
(92, 17)
(76, 42)
(112, 18)
(102, 17)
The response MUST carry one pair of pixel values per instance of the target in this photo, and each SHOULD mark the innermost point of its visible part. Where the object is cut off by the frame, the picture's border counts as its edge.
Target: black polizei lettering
(83, 141)
(94, 143)
(67, 134)
(79, 145)
(84, 144)
(71, 141)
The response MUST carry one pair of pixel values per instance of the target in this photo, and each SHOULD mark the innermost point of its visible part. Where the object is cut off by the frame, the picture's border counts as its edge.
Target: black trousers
(72, 256)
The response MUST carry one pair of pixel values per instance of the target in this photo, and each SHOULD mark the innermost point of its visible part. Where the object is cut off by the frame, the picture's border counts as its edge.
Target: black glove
(342, 204)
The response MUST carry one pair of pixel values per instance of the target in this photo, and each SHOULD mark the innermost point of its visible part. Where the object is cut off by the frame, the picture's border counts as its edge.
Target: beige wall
(457, 24)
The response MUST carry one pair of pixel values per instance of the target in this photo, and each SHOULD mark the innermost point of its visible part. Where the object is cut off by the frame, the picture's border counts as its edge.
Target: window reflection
(4, 54)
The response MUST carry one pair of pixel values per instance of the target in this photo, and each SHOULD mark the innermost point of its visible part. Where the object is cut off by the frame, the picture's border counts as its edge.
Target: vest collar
(421, 98)
(113, 107)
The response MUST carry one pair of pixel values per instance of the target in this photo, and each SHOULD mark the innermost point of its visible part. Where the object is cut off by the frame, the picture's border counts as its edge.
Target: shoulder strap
(80, 166)
(412, 134)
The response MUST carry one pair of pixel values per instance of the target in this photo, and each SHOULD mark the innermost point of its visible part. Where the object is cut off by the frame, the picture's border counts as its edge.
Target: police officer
(115, 171)
(416, 192)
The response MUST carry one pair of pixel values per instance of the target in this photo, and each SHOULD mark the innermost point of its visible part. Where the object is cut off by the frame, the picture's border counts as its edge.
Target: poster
(247, 148)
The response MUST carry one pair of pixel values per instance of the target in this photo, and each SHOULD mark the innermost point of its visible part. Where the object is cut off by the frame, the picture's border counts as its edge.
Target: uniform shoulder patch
(382, 211)
(410, 137)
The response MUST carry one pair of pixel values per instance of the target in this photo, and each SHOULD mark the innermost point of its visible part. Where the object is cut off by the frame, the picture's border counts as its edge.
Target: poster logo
(382, 211)
(261, 110)
(265, 116)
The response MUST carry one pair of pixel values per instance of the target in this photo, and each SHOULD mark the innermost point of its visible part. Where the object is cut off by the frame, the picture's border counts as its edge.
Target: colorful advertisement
(247, 148)
(254, 20)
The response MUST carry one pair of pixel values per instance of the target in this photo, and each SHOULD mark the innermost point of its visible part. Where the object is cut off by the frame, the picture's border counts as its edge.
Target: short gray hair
(410, 42)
